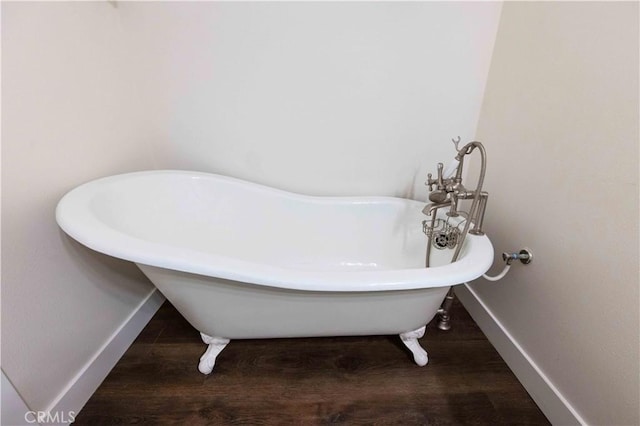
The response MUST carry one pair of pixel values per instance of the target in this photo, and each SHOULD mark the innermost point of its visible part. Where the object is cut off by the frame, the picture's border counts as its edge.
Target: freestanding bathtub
(242, 261)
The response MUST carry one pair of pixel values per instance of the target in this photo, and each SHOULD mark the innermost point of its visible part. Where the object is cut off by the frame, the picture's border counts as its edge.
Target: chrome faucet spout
(431, 207)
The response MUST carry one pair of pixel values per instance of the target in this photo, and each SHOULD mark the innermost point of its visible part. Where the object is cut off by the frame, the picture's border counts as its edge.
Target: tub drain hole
(446, 239)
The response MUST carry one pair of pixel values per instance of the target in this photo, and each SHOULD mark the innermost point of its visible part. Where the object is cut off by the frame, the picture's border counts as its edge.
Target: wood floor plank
(336, 380)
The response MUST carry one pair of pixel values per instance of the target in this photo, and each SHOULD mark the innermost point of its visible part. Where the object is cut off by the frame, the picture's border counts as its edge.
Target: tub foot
(208, 359)
(410, 340)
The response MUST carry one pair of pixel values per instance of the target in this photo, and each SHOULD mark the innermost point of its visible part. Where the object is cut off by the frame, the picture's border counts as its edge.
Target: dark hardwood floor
(349, 380)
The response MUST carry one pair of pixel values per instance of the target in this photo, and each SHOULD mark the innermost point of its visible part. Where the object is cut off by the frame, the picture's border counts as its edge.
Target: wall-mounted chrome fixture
(525, 256)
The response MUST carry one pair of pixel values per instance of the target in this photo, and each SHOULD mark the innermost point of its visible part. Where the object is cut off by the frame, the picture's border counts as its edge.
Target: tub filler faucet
(446, 190)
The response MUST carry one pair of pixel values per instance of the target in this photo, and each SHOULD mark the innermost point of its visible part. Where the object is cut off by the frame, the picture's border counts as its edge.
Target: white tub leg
(208, 359)
(410, 340)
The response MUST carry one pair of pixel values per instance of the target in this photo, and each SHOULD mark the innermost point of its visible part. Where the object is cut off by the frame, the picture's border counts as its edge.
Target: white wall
(333, 98)
(323, 98)
(70, 113)
(560, 123)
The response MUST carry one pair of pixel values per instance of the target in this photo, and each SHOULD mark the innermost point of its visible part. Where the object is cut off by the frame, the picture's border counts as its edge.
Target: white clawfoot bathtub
(242, 261)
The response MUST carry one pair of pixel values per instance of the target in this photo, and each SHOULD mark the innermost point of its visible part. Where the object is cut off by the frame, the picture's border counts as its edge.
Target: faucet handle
(439, 181)
(456, 142)
(440, 169)
(430, 181)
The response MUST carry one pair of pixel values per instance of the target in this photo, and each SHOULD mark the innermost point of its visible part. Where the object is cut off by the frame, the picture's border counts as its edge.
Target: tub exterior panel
(236, 310)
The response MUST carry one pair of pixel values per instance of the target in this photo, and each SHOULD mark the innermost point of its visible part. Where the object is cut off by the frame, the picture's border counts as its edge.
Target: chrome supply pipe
(449, 190)
(473, 211)
(444, 316)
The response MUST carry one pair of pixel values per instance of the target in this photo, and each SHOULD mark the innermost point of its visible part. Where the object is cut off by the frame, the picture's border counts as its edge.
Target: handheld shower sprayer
(453, 165)
(451, 168)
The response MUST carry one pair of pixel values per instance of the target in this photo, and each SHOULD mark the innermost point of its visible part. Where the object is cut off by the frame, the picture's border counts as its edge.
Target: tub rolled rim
(74, 217)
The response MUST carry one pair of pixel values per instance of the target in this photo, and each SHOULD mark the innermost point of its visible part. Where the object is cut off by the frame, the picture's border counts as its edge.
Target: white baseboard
(14, 410)
(542, 391)
(71, 400)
